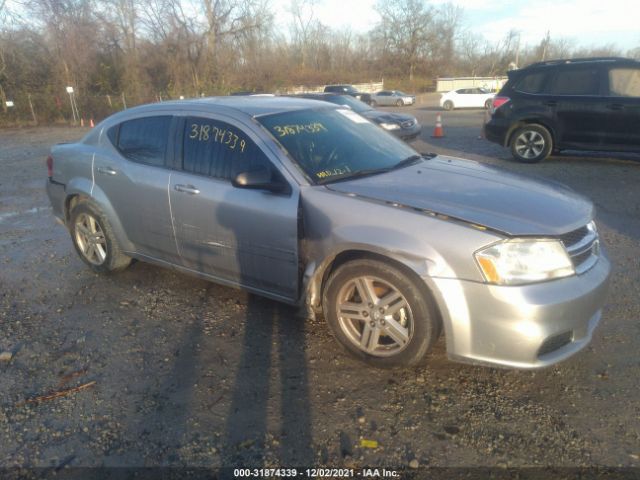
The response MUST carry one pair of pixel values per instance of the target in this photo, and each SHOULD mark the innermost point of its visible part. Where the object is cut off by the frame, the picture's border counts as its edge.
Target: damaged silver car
(309, 203)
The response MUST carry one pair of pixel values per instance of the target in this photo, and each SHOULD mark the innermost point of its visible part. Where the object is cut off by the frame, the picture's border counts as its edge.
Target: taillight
(498, 102)
(50, 166)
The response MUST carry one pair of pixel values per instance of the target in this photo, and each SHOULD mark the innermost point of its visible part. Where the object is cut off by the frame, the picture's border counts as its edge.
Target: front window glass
(217, 149)
(333, 144)
(624, 82)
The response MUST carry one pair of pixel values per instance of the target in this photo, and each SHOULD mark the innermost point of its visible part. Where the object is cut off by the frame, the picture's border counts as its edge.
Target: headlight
(515, 262)
(390, 126)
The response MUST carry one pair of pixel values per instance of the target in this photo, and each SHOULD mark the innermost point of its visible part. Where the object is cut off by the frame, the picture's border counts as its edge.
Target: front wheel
(488, 104)
(94, 240)
(448, 105)
(399, 103)
(373, 103)
(379, 315)
(531, 144)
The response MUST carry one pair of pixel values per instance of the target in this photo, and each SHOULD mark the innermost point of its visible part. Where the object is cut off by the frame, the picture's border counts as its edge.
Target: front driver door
(239, 236)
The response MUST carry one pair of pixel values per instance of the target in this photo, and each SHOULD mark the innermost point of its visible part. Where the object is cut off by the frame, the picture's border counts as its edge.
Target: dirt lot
(188, 373)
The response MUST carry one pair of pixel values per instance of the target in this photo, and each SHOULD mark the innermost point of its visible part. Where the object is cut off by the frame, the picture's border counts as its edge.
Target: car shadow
(273, 348)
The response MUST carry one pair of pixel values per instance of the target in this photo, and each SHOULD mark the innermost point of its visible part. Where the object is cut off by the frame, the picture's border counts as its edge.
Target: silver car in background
(308, 203)
(392, 97)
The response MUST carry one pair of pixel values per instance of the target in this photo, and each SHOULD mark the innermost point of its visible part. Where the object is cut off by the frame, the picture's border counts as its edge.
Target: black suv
(577, 104)
(349, 90)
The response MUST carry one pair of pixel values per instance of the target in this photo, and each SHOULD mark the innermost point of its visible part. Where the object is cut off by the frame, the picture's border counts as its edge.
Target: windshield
(332, 144)
(355, 104)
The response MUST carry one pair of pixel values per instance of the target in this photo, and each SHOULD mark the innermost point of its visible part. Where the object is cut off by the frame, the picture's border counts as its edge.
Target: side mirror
(260, 178)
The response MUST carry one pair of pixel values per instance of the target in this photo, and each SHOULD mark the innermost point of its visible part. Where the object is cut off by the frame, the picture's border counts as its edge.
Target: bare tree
(405, 30)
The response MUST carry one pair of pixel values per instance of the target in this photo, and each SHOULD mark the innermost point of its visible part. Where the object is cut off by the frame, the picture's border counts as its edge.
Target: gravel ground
(174, 371)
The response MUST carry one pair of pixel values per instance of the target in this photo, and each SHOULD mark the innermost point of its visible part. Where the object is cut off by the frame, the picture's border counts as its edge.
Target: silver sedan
(392, 97)
(309, 203)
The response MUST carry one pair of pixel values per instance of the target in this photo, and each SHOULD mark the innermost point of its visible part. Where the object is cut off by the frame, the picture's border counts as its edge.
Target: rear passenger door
(623, 103)
(240, 236)
(131, 172)
(580, 106)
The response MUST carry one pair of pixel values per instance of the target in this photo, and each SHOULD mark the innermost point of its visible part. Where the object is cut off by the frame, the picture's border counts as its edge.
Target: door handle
(107, 170)
(551, 103)
(190, 189)
(616, 106)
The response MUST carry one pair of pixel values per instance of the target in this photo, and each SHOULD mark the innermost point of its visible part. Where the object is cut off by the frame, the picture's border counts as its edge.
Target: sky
(585, 22)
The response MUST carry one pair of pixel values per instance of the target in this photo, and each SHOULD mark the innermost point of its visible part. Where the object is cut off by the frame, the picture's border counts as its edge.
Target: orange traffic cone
(82, 122)
(438, 132)
(91, 123)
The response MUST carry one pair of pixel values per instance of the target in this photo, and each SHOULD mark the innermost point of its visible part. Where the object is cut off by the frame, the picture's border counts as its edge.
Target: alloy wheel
(90, 239)
(529, 144)
(374, 316)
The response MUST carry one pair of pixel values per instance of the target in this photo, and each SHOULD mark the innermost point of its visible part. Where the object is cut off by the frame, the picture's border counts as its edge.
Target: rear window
(144, 140)
(624, 82)
(583, 81)
(532, 83)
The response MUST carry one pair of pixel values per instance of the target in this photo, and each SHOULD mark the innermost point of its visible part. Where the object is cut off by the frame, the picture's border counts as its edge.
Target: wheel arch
(79, 191)
(530, 121)
(318, 282)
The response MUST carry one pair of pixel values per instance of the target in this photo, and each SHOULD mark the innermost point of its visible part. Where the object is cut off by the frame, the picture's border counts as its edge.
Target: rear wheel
(448, 105)
(379, 315)
(94, 240)
(488, 104)
(531, 144)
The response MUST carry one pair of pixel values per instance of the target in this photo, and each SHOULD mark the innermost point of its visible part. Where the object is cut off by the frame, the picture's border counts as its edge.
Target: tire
(448, 105)
(488, 104)
(373, 103)
(531, 143)
(399, 103)
(401, 338)
(89, 226)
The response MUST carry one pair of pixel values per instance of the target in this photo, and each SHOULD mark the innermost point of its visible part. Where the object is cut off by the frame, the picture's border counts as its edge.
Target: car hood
(379, 116)
(478, 194)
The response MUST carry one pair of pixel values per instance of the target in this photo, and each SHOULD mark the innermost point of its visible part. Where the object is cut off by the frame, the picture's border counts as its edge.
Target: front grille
(574, 236)
(583, 247)
(554, 343)
(408, 124)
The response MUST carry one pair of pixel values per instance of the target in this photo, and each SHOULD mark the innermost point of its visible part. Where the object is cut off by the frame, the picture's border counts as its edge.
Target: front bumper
(409, 133)
(530, 326)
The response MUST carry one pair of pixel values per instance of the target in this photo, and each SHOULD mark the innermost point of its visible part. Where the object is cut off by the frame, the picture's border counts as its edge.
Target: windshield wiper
(413, 159)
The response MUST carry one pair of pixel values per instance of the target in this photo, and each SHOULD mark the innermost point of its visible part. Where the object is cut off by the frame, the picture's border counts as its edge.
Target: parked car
(349, 90)
(576, 104)
(392, 97)
(311, 204)
(466, 98)
(401, 125)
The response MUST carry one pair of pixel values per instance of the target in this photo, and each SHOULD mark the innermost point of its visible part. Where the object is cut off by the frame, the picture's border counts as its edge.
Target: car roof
(253, 106)
(580, 61)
